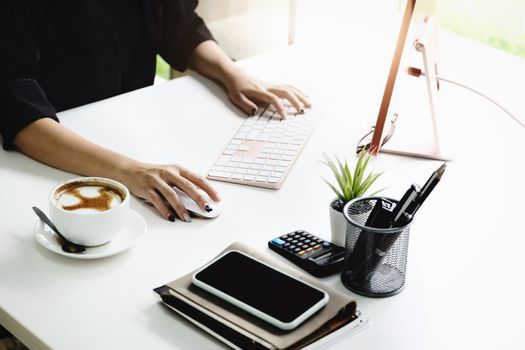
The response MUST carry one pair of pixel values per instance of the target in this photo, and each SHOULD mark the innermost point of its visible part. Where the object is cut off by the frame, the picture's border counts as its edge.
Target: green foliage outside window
(500, 24)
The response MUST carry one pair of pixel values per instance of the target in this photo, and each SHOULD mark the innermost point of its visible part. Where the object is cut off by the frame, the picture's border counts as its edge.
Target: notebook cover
(340, 311)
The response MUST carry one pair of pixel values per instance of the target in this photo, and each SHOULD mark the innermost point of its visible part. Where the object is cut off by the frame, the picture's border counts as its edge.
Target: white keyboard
(264, 148)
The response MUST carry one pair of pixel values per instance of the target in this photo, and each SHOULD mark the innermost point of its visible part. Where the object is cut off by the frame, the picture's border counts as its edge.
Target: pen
(408, 198)
(425, 191)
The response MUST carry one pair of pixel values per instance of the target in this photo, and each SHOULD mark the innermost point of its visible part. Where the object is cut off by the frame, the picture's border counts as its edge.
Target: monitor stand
(415, 134)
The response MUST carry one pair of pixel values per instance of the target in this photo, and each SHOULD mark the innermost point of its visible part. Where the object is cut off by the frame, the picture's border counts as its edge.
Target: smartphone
(255, 287)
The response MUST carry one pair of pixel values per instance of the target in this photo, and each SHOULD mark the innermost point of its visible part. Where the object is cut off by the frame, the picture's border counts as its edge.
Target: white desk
(464, 268)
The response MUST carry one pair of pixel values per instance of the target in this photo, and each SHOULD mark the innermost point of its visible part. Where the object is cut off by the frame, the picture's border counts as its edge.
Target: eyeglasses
(366, 141)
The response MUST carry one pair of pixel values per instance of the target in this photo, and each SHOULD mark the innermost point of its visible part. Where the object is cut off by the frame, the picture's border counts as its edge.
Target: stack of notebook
(241, 330)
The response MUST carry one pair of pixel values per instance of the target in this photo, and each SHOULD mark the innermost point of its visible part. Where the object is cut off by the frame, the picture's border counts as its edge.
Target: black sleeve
(22, 99)
(182, 31)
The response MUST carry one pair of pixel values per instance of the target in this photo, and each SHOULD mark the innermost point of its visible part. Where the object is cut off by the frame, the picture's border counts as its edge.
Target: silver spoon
(67, 246)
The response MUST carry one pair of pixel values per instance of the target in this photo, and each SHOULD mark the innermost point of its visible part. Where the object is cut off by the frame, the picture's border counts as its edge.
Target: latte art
(88, 197)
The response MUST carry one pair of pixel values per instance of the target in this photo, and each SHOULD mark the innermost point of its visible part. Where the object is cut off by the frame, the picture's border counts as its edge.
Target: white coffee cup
(89, 210)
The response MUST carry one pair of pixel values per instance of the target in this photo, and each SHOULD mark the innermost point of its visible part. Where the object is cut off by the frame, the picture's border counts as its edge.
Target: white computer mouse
(194, 207)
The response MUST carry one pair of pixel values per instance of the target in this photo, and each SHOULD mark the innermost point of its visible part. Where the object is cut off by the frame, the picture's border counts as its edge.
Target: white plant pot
(338, 226)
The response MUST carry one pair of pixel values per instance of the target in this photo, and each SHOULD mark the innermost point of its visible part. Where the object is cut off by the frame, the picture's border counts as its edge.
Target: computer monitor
(407, 119)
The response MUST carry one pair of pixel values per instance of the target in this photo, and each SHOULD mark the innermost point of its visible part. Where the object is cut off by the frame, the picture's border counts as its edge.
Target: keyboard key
(252, 172)
(243, 148)
(264, 137)
(265, 173)
(249, 177)
(233, 164)
(241, 135)
(237, 176)
(228, 152)
(261, 178)
(223, 160)
(266, 167)
(253, 135)
(274, 180)
(217, 168)
(229, 169)
(236, 159)
(240, 171)
(232, 146)
(219, 174)
(250, 120)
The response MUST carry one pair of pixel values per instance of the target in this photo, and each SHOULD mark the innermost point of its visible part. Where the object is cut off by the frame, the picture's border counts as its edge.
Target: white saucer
(130, 234)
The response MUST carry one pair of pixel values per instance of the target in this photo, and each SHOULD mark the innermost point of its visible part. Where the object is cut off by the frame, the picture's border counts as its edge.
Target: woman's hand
(154, 183)
(244, 90)
(209, 60)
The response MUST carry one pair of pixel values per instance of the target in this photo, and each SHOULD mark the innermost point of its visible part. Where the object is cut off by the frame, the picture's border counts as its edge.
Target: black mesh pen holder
(376, 253)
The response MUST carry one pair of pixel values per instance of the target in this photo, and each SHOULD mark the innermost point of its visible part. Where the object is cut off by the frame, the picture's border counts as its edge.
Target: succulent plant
(350, 185)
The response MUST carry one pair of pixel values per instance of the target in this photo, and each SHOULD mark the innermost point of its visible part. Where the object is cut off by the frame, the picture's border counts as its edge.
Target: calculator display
(260, 286)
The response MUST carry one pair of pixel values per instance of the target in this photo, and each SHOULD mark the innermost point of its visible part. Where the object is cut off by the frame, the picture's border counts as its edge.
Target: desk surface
(464, 265)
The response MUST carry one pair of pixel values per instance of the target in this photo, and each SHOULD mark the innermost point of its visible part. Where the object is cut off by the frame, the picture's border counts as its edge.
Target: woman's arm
(53, 144)
(209, 60)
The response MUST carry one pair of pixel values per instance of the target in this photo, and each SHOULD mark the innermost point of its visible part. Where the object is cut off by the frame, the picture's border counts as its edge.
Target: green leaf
(350, 185)
(338, 194)
(368, 182)
(348, 173)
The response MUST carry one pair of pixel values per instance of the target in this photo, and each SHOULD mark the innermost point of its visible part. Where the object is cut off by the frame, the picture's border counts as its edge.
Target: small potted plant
(348, 186)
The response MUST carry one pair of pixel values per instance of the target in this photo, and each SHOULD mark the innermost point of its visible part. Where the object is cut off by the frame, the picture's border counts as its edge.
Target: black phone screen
(260, 286)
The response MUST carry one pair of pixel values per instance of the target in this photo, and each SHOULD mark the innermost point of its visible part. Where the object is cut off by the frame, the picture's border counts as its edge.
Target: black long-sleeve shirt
(59, 54)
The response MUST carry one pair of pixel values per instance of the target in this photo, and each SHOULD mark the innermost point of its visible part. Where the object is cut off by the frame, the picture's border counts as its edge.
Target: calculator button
(311, 244)
(289, 239)
(297, 250)
(307, 241)
(286, 245)
(299, 231)
(284, 237)
(278, 241)
(317, 246)
(301, 238)
(297, 236)
(294, 241)
(309, 249)
(326, 244)
(319, 240)
(310, 236)
(301, 253)
(292, 247)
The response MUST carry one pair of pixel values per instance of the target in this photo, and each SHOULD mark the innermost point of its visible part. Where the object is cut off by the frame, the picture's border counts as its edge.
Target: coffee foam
(88, 197)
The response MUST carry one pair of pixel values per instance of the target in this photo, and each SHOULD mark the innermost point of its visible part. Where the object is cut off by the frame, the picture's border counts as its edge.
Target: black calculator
(311, 253)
